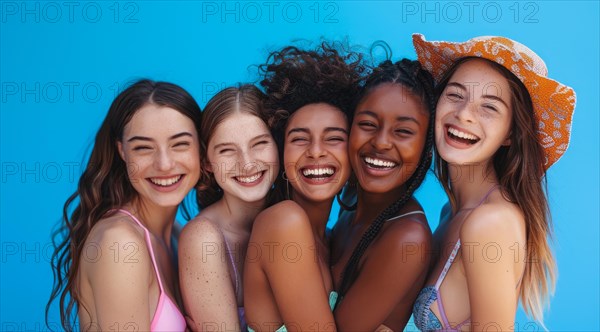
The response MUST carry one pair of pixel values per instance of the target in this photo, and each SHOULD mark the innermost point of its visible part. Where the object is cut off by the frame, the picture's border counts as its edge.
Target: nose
(316, 150)
(381, 140)
(248, 163)
(466, 112)
(164, 161)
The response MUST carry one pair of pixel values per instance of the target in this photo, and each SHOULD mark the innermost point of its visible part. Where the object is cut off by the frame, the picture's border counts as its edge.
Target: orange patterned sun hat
(553, 102)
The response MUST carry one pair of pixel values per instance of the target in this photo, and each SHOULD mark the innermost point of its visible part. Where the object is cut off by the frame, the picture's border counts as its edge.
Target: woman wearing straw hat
(500, 124)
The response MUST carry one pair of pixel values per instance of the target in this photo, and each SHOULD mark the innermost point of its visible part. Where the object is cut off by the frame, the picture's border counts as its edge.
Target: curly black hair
(293, 77)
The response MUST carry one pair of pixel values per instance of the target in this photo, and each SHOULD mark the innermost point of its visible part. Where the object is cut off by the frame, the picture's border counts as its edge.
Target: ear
(507, 140)
(120, 149)
(208, 167)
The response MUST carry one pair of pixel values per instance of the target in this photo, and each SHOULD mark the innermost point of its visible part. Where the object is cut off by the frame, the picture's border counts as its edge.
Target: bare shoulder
(282, 219)
(116, 228)
(408, 227)
(496, 219)
(116, 245)
(198, 230)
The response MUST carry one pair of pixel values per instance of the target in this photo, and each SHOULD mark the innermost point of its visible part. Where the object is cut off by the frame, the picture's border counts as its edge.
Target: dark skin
(386, 142)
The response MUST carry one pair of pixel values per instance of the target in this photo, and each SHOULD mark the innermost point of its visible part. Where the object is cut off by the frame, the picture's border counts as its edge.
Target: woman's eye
(298, 139)
(141, 148)
(366, 124)
(454, 96)
(490, 107)
(261, 143)
(225, 150)
(404, 132)
(336, 139)
(182, 144)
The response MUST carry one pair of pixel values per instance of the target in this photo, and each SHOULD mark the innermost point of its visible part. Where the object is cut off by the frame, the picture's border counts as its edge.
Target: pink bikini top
(167, 316)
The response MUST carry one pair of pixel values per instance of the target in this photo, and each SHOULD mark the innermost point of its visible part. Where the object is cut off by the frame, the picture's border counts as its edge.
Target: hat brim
(553, 102)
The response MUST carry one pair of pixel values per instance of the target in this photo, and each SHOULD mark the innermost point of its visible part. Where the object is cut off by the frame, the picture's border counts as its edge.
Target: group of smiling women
(267, 165)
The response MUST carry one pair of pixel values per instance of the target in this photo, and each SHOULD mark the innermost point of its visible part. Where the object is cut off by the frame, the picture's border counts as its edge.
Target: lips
(460, 136)
(379, 163)
(166, 182)
(250, 179)
(317, 174)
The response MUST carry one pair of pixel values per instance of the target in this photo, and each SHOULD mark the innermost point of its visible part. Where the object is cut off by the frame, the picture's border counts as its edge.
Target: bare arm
(119, 283)
(290, 265)
(205, 280)
(395, 266)
(488, 239)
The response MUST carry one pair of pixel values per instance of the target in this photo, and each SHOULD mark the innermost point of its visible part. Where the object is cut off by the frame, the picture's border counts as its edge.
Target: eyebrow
(327, 130)
(148, 139)
(398, 118)
(462, 87)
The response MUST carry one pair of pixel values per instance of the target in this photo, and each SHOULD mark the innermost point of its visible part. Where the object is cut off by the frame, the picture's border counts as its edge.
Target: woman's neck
(237, 216)
(157, 219)
(318, 213)
(469, 183)
(370, 205)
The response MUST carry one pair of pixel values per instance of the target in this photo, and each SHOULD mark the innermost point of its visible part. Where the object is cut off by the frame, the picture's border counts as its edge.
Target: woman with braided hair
(380, 249)
(287, 282)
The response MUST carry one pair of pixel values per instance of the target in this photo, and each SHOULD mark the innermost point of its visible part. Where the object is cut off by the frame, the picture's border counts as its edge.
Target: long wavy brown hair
(104, 186)
(522, 177)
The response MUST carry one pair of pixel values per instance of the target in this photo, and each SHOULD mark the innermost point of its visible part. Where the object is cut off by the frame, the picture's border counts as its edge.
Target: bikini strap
(447, 265)
(487, 195)
(237, 280)
(406, 214)
(149, 245)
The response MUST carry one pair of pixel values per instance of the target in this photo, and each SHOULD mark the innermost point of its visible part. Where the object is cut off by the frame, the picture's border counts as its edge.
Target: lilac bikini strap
(237, 280)
(149, 244)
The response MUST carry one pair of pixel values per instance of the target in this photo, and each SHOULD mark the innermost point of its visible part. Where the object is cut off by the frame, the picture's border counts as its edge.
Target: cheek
(137, 166)
(290, 158)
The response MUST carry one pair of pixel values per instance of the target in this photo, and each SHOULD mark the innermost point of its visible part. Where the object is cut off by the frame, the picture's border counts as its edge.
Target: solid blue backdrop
(63, 62)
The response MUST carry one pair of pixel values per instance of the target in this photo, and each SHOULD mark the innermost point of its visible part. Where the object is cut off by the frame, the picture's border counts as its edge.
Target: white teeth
(249, 179)
(166, 182)
(379, 162)
(318, 171)
(461, 134)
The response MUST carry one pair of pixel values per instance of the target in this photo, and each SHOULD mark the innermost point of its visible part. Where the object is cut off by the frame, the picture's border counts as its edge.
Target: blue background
(63, 62)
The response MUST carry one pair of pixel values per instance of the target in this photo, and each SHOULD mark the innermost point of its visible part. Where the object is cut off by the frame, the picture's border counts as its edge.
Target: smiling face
(387, 138)
(160, 148)
(315, 151)
(242, 156)
(473, 115)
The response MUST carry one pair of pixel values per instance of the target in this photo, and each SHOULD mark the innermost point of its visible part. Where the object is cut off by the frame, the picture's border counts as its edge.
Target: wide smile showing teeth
(249, 179)
(379, 163)
(313, 173)
(462, 136)
(165, 182)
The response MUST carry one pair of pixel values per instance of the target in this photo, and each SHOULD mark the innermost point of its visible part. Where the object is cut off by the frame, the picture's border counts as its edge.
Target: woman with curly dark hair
(286, 277)
(380, 248)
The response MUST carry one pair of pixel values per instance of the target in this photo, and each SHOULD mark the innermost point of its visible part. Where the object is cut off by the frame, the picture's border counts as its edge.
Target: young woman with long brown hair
(115, 265)
(240, 164)
(500, 123)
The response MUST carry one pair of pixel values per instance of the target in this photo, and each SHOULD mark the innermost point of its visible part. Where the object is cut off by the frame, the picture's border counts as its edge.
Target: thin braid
(412, 75)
